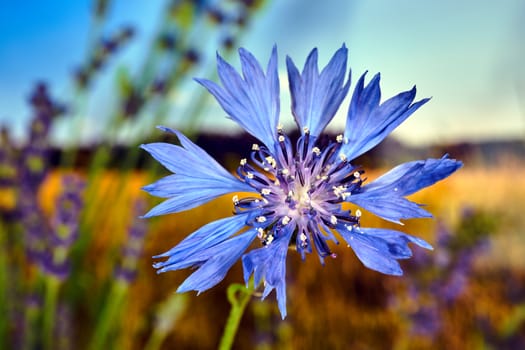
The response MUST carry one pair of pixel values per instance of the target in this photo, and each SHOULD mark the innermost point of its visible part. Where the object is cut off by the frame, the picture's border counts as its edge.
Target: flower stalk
(52, 287)
(238, 296)
(109, 315)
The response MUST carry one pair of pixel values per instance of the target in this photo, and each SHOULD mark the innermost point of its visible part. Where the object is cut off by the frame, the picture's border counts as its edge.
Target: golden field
(340, 305)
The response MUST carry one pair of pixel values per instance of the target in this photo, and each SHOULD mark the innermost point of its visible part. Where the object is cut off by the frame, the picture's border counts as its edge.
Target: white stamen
(338, 190)
(306, 130)
(339, 138)
(261, 219)
(269, 239)
(333, 220)
(235, 200)
(342, 157)
(249, 175)
(303, 237)
(286, 220)
(265, 191)
(285, 171)
(279, 127)
(323, 178)
(281, 138)
(316, 151)
(358, 213)
(345, 194)
(255, 147)
(276, 182)
(260, 232)
(243, 161)
(357, 174)
(271, 161)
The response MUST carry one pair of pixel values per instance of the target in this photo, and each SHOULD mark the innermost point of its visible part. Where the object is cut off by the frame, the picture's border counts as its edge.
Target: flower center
(303, 187)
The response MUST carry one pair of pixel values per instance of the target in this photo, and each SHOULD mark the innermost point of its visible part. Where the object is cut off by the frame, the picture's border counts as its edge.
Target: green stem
(109, 315)
(31, 314)
(52, 287)
(511, 325)
(4, 273)
(238, 296)
(155, 341)
(168, 314)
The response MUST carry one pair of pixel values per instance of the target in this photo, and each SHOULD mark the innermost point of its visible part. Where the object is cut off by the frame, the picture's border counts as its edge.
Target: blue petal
(204, 238)
(186, 200)
(251, 100)
(379, 249)
(317, 97)
(410, 177)
(194, 156)
(269, 263)
(198, 177)
(391, 208)
(369, 122)
(385, 196)
(176, 185)
(215, 262)
(393, 236)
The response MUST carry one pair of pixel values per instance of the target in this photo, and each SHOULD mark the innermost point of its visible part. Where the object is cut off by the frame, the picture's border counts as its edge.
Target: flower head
(299, 188)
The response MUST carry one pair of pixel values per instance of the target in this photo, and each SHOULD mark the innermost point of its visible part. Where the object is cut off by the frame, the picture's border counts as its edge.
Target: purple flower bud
(34, 158)
(132, 249)
(217, 15)
(64, 327)
(64, 228)
(133, 103)
(192, 56)
(34, 224)
(167, 41)
(426, 321)
(8, 167)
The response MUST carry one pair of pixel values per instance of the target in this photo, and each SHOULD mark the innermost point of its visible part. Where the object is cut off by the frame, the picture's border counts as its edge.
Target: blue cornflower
(298, 188)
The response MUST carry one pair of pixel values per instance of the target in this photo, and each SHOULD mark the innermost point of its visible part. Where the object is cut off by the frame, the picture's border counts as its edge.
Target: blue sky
(467, 55)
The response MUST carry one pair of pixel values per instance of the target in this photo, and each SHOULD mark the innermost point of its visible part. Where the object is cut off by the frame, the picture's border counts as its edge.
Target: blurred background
(83, 83)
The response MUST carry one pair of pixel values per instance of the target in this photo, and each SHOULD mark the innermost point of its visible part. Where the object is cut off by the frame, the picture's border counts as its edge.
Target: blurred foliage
(75, 266)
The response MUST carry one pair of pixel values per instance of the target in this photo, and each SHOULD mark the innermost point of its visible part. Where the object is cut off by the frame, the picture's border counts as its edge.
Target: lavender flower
(35, 157)
(127, 269)
(8, 168)
(64, 227)
(298, 189)
(435, 290)
(102, 52)
(35, 226)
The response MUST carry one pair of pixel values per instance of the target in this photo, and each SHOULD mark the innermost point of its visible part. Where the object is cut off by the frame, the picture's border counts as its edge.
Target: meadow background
(84, 84)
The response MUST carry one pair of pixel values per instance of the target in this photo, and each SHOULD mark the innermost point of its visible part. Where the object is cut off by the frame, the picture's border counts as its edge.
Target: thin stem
(31, 314)
(168, 314)
(4, 273)
(155, 341)
(109, 315)
(512, 323)
(52, 287)
(238, 296)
